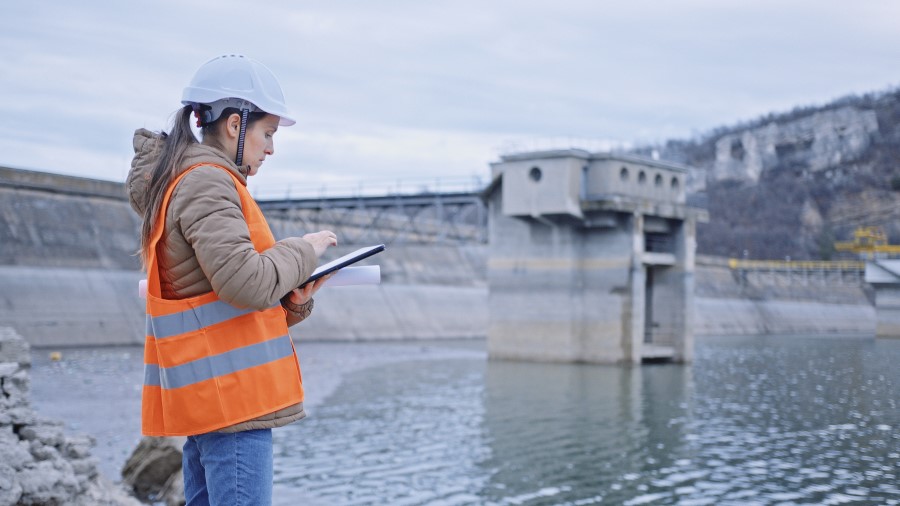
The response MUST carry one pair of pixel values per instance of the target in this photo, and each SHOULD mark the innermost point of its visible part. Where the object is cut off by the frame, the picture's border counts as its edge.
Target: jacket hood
(147, 150)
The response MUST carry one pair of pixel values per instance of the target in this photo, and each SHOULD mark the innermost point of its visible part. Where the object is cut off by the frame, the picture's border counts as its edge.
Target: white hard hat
(234, 80)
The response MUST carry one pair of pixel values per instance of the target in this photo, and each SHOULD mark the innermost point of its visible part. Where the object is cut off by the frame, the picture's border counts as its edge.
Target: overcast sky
(389, 90)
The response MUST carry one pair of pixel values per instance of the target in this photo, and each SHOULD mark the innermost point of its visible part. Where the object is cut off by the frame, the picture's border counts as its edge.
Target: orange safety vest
(208, 364)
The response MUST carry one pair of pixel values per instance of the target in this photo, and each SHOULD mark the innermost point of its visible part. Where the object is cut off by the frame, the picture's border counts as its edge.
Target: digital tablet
(344, 261)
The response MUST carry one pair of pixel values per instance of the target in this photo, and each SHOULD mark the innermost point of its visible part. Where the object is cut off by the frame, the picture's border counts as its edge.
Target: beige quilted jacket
(206, 244)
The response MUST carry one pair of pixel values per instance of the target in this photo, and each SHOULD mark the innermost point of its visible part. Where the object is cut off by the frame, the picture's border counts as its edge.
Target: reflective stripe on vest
(208, 364)
(173, 324)
(218, 365)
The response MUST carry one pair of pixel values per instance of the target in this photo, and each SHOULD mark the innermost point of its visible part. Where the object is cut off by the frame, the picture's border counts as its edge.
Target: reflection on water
(579, 432)
(753, 421)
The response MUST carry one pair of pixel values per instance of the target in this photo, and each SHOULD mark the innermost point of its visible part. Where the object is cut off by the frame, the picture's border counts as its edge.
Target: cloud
(332, 157)
(396, 89)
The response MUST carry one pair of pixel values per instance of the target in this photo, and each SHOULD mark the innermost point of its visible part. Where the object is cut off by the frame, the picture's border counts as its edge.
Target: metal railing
(797, 272)
(371, 188)
(419, 218)
(795, 265)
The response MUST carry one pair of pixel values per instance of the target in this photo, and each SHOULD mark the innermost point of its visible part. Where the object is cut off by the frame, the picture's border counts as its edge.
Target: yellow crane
(868, 242)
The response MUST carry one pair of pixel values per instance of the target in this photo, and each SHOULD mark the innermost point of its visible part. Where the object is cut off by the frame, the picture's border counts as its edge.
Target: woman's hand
(321, 240)
(302, 295)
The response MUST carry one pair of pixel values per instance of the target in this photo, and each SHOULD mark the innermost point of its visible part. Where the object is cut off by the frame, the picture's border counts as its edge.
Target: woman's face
(258, 142)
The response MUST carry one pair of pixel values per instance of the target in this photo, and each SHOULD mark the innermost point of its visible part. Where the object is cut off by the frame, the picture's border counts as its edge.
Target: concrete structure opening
(649, 324)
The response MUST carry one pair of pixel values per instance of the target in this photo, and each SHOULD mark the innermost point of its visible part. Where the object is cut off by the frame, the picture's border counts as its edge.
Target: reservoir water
(754, 421)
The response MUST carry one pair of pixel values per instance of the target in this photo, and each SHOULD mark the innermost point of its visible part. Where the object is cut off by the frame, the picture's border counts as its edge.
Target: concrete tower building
(884, 275)
(591, 258)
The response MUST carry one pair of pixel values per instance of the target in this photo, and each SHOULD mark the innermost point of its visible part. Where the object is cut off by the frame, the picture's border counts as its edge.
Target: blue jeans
(228, 469)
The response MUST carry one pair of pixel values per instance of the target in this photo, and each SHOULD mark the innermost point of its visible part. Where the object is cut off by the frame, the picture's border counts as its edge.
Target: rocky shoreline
(39, 463)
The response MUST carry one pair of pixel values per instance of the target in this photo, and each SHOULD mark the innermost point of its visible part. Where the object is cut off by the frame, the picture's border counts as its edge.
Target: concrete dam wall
(778, 305)
(69, 274)
(68, 277)
(67, 267)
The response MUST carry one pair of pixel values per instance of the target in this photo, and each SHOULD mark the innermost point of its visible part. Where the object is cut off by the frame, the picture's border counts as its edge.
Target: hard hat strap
(238, 160)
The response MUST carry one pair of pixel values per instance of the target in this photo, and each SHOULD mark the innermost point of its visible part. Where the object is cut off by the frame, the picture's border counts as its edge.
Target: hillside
(790, 184)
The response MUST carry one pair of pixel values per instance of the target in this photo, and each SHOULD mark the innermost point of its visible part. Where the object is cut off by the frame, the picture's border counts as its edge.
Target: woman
(220, 366)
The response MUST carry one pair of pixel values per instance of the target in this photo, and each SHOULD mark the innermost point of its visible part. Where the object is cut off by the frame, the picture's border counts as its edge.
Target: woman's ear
(233, 126)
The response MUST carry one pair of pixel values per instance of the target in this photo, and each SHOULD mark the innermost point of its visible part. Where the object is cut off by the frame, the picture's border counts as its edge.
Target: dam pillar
(591, 259)
(884, 276)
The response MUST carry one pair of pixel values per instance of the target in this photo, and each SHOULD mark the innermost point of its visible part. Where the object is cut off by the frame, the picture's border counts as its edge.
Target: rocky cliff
(790, 184)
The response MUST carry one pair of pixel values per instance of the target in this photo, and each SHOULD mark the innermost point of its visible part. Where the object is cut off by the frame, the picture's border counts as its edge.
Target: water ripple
(772, 422)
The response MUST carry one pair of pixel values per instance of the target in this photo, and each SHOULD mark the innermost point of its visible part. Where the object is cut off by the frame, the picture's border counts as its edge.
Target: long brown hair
(175, 144)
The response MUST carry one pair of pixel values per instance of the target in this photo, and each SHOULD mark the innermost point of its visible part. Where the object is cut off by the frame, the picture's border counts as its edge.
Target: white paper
(345, 258)
(359, 275)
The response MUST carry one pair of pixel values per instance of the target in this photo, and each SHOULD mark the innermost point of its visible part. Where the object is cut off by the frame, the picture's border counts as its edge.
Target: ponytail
(175, 144)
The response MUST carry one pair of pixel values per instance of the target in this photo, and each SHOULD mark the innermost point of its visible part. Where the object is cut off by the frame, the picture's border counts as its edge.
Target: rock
(14, 453)
(48, 434)
(818, 141)
(16, 386)
(173, 491)
(42, 452)
(78, 447)
(150, 467)
(22, 415)
(10, 490)
(85, 468)
(46, 483)
(8, 369)
(13, 348)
